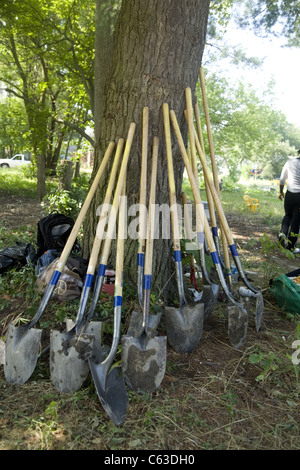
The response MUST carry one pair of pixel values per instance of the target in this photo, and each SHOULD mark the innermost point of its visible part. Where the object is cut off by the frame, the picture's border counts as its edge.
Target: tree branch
(77, 129)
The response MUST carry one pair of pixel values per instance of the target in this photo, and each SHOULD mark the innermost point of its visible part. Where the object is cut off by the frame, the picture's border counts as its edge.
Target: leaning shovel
(229, 239)
(108, 380)
(210, 290)
(237, 314)
(144, 355)
(184, 324)
(142, 206)
(76, 345)
(69, 350)
(23, 342)
(225, 228)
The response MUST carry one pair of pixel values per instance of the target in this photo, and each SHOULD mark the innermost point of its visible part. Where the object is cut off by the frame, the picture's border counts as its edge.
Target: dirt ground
(16, 211)
(220, 402)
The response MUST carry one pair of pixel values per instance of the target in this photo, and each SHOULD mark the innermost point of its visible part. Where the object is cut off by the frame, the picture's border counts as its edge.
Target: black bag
(18, 254)
(53, 232)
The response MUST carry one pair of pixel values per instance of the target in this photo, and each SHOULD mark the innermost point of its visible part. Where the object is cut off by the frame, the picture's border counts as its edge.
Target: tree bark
(158, 47)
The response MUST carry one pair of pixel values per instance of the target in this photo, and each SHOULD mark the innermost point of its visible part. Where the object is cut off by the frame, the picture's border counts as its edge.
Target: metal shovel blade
(237, 326)
(111, 391)
(259, 310)
(184, 327)
(144, 361)
(136, 324)
(69, 355)
(21, 353)
(209, 298)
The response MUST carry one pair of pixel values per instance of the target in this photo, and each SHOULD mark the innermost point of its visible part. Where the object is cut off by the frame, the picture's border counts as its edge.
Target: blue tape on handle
(215, 257)
(101, 270)
(215, 231)
(147, 281)
(233, 250)
(117, 301)
(54, 278)
(88, 280)
(141, 259)
(177, 256)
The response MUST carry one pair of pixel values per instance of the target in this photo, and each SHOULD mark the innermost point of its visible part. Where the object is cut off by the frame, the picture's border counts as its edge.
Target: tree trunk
(158, 47)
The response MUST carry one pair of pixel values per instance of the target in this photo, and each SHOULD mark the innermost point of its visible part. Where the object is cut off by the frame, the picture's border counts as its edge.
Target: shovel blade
(144, 361)
(136, 324)
(237, 326)
(69, 357)
(111, 391)
(184, 327)
(259, 307)
(21, 353)
(209, 298)
(259, 310)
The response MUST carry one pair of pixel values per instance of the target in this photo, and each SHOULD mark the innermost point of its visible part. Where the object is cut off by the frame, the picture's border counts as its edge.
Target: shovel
(210, 291)
(137, 317)
(108, 380)
(212, 213)
(227, 234)
(23, 342)
(144, 355)
(142, 207)
(184, 324)
(69, 350)
(237, 314)
(76, 345)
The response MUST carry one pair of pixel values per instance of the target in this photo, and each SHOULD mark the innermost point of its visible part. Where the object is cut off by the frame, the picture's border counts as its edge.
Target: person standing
(290, 223)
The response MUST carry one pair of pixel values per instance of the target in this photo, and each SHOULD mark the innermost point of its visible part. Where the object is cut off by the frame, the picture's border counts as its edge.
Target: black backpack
(53, 232)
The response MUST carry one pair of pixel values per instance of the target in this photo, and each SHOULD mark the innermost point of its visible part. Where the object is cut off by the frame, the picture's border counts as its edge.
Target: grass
(217, 398)
(271, 208)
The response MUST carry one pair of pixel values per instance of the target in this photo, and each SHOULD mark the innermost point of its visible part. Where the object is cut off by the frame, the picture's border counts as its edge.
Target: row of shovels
(78, 350)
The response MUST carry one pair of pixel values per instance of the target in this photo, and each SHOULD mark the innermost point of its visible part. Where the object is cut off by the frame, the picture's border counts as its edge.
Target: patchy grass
(217, 398)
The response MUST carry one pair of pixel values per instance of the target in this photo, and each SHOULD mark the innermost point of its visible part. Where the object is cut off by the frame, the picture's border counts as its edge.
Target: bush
(63, 202)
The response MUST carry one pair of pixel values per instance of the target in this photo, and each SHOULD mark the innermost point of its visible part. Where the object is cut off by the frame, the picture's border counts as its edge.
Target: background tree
(157, 53)
(246, 128)
(46, 57)
(278, 17)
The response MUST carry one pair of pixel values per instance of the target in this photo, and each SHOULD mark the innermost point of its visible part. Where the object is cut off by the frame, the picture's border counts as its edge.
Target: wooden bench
(252, 203)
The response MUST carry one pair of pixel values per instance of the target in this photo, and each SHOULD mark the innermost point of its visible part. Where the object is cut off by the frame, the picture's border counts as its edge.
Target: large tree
(156, 54)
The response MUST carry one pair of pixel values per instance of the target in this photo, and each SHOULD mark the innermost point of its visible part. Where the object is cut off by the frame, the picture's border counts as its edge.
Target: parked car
(16, 160)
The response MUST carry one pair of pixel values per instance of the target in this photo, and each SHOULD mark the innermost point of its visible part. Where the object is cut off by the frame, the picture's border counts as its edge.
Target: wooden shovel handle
(72, 237)
(150, 225)
(189, 117)
(195, 187)
(172, 187)
(100, 226)
(143, 182)
(116, 200)
(215, 195)
(214, 165)
(208, 194)
(187, 221)
(120, 244)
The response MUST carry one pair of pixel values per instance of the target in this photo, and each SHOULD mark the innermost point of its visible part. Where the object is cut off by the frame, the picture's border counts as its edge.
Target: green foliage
(13, 181)
(246, 129)
(61, 201)
(269, 247)
(269, 362)
(58, 38)
(274, 17)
